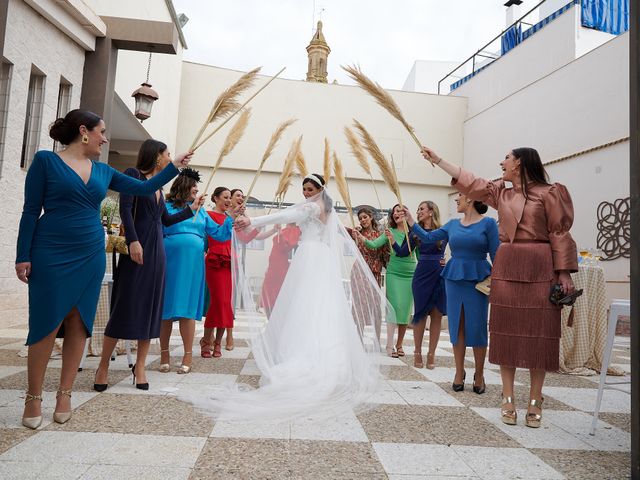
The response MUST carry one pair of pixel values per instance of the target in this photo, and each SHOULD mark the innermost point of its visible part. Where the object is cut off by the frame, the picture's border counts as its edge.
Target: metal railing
(489, 53)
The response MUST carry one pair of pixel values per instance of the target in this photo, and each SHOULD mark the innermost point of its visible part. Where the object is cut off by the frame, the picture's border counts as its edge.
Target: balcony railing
(513, 35)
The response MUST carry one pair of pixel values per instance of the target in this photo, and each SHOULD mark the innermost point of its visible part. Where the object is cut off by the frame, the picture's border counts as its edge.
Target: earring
(157, 163)
(85, 138)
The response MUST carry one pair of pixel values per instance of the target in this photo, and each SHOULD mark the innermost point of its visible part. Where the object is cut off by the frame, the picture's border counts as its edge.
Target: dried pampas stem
(288, 169)
(326, 164)
(234, 136)
(269, 150)
(387, 170)
(301, 164)
(382, 97)
(235, 112)
(343, 188)
(227, 101)
(361, 157)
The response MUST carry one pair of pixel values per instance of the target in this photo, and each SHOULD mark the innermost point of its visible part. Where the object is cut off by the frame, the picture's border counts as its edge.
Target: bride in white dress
(317, 354)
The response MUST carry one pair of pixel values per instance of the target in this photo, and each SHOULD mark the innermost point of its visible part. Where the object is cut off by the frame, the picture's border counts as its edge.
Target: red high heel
(205, 348)
(217, 350)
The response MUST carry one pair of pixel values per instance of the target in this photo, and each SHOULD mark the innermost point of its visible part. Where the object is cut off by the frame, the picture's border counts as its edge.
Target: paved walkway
(417, 429)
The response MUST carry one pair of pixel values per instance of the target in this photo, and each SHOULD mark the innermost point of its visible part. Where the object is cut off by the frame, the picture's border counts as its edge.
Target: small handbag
(118, 243)
(557, 297)
(484, 286)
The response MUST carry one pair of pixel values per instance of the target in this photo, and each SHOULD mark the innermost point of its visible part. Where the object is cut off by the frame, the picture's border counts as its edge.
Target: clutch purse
(484, 286)
(557, 296)
(117, 244)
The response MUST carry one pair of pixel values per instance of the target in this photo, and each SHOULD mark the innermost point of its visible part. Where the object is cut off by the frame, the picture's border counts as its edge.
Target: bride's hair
(314, 178)
(318, 181)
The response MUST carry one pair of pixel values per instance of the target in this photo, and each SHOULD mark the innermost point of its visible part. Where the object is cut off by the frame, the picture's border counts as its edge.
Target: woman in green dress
(398, 282)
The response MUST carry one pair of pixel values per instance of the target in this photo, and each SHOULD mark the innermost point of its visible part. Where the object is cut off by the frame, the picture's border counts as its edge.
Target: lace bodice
(306, 216)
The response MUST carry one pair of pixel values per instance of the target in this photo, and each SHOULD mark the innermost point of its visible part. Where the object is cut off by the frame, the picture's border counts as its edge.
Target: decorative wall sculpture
(614, 229)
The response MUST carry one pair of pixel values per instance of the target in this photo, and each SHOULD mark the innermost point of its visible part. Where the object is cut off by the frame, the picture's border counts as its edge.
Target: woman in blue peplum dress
(185, 244)
(429, 296)
(60, 253)
(470, 238)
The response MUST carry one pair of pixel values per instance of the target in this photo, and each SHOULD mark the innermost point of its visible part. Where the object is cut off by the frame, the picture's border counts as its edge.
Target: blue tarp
(511, 38)
(611, 16)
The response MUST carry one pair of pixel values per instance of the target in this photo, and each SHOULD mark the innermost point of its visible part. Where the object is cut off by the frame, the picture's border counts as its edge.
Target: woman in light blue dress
(60, 252)
(185, 244)
(470, 239)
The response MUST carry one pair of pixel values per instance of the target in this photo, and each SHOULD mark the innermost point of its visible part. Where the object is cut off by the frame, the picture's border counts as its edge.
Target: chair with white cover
(618, 307)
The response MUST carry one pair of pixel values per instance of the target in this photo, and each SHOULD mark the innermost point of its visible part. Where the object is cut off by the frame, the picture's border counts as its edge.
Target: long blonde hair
(435, 218)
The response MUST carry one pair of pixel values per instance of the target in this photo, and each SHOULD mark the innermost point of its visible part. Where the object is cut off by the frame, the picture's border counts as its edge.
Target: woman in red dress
(285, 241)
(218, 272)
(220, 314)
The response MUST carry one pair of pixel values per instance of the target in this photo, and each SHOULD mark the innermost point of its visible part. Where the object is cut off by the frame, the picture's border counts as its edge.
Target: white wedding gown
(314, 356)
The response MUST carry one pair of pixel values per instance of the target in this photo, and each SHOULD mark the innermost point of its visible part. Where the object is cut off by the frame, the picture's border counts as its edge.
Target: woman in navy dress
(60, 253)
(429, 297)
(138, 281)
(185, 244)
(470, 240)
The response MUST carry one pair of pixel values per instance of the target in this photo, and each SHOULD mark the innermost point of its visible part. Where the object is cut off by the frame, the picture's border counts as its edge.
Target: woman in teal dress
(399, 277)
(185, 244)
(471, 239)
(60, 253)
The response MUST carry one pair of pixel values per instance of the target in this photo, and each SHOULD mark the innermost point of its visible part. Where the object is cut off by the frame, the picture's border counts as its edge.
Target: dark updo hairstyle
(148, 154)
(181, 187)
(480, 207)
(328, 203)
(66, 130)
(531, 168)
(368, 211)
(217, 192)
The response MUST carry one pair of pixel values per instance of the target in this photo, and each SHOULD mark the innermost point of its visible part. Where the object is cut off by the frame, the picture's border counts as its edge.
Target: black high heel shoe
(459, 387)
(99, 387)
(479, 389)
(139, 386)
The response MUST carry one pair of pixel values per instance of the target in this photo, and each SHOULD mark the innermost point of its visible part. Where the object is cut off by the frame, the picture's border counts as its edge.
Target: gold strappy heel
(165, 367)
(184, 369)
(509, 416)
(533, 419)
(31, 422)
(62, 417)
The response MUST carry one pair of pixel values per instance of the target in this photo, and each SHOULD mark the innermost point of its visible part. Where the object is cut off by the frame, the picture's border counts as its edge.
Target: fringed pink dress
(524, 326)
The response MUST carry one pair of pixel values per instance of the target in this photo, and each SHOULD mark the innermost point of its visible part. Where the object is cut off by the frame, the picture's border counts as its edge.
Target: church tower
(318, 52)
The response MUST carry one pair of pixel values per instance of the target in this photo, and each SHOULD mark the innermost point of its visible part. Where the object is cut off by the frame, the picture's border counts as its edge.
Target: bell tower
(318, 52)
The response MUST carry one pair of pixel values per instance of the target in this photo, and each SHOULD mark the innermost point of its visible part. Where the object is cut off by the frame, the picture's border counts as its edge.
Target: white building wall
(581, 105)
(30, 39)
(323, 110)
(425, 75)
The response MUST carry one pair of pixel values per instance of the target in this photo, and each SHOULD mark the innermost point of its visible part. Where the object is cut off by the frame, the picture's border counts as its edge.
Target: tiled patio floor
(418, 427)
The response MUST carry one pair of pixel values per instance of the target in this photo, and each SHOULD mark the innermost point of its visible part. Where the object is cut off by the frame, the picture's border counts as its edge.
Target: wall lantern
(145, 96)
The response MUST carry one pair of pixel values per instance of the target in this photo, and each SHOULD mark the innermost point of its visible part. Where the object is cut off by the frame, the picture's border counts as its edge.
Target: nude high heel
(32, 422)
(184, 369)
(165, 367)
(62, 417)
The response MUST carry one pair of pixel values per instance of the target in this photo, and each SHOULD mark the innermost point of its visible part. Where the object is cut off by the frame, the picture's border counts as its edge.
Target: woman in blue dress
(60, 254)
(470, 238)
(429, 298)
(185, 244)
